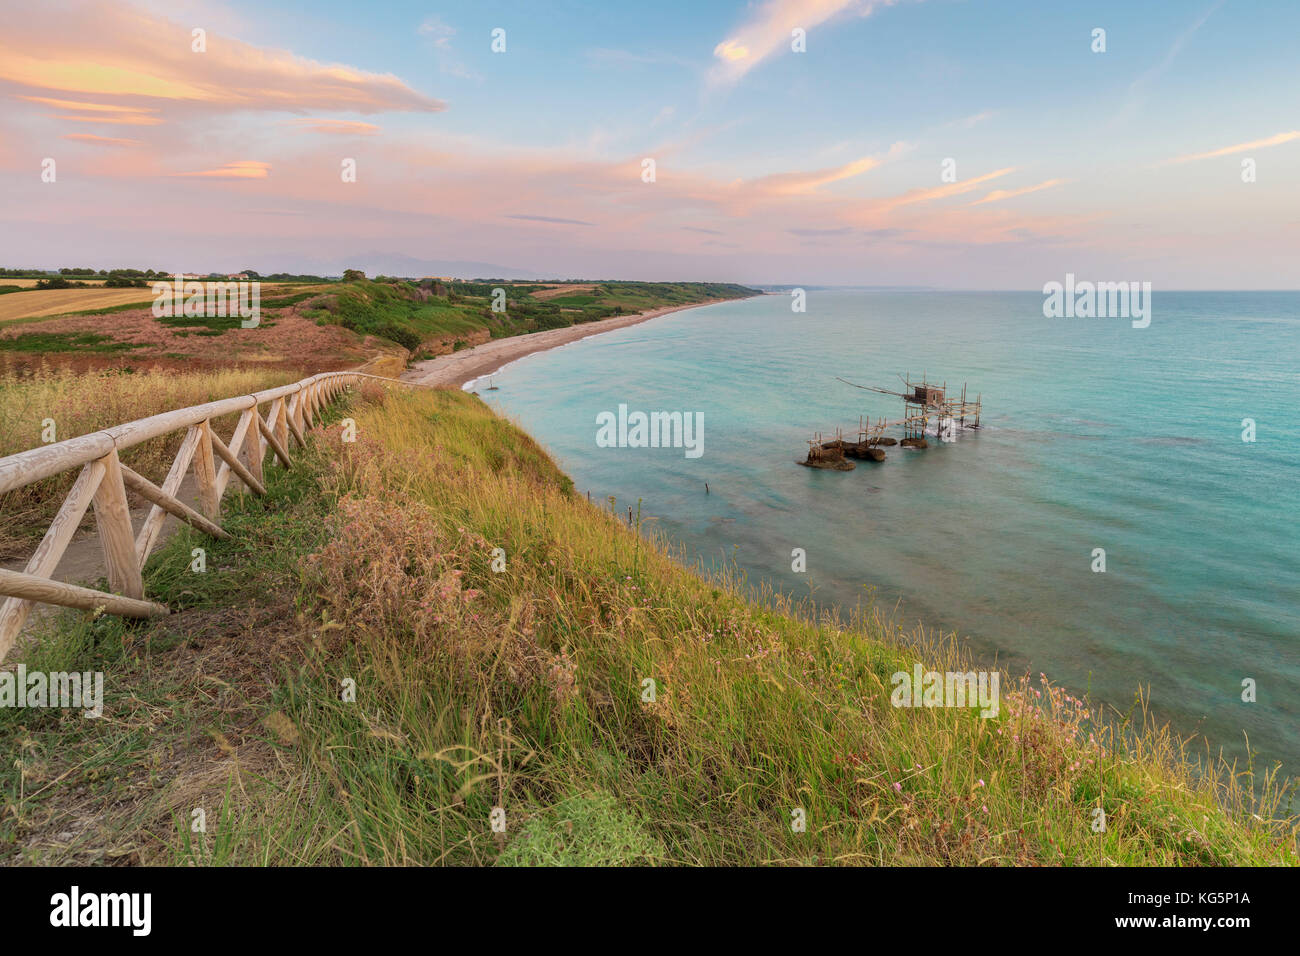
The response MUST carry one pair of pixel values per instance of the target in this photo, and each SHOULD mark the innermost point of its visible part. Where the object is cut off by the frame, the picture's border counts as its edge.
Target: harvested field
(42, 302)
(564, 289)
(39, 302)
(31, 283)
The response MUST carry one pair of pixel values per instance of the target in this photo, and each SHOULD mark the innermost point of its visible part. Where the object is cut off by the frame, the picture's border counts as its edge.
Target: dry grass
(42, 302)
(566, 289)
(523, 689)
(390, 365)
(82, 402)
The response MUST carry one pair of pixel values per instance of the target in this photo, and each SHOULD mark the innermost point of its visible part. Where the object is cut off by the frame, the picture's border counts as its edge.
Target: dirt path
(468, 364)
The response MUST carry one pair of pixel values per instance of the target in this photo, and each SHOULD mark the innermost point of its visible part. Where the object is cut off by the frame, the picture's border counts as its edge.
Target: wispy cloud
(116, 119)
(554, 220)
(769, 31)
(82, 106)
(1000, 194)
(242, 169)
(1137, 89)
(1265, 143)
(440, 34)
(967, 122)
(818, 233)
(101, 140)
(334, 127)
(930, 194)
(803, 183)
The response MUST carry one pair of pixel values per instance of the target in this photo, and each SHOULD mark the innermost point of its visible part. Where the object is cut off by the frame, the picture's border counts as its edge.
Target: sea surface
(1095, 435)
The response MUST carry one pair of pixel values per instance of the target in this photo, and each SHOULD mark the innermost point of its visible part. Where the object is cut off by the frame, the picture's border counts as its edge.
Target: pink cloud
(998, 195)
(115, 120)
(769, 31)
(115, 50)
(243, 169)
(334, 127)
(1265, 143)
(102, 140)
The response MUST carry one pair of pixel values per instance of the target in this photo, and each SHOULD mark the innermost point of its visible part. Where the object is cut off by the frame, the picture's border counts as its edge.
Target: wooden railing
(103, 482)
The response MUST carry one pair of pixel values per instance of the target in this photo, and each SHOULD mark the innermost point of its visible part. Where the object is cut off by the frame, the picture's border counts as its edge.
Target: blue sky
(816, 167)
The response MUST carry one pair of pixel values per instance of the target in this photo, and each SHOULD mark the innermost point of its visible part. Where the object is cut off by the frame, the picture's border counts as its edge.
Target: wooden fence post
(13, 612)
(205, 473)
(113, 519)
(144, 541)
(255, 449)
(281, 423)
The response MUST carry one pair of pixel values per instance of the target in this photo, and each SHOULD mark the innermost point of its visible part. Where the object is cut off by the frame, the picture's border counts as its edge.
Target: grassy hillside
(371, 566)
(431, 317)
(305, 321)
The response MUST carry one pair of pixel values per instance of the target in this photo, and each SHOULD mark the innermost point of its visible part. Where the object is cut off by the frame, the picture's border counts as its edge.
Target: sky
(969, 144)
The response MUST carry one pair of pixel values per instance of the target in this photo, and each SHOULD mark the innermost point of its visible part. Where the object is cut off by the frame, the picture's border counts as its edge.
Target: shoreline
(458, 369)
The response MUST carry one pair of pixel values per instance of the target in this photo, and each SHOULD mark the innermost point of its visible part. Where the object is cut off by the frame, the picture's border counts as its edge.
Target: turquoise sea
(1096, 435)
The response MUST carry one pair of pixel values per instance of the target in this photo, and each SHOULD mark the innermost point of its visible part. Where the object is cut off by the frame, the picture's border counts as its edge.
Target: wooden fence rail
(104, 480)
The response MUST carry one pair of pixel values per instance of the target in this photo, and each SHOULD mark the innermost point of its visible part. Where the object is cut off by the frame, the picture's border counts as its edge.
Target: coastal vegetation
(425, 317)
(431, 315)
(427, 631)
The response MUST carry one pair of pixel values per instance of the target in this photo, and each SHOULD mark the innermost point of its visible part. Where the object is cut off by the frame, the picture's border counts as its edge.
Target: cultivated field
(31, 283)
(26, 305)
(569, 288)
(43, 302)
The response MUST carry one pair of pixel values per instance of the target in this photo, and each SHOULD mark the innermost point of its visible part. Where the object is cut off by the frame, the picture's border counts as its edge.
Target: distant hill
(373, 262)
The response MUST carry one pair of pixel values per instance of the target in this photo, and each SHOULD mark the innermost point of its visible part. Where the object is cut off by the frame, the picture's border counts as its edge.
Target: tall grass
(77, 403)
(426, 632)
(524, 689)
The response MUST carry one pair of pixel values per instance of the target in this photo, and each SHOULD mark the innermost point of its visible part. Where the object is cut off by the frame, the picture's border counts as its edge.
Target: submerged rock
(914, 443)
(837, 465)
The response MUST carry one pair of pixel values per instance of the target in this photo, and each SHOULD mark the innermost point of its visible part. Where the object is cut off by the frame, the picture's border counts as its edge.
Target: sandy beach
(466, 365)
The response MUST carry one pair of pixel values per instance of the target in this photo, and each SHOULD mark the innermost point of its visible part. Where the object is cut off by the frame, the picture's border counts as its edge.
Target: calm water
(1097, 435)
